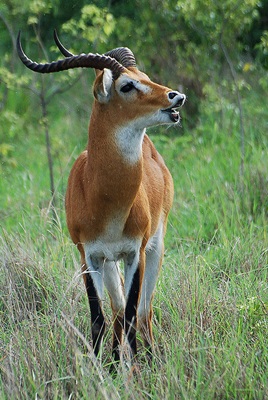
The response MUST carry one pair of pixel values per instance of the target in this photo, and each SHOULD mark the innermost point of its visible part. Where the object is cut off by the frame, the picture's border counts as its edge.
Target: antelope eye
(127, 88)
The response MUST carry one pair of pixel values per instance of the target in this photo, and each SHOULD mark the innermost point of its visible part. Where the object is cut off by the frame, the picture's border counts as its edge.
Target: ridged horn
(89, 60)
(121, 54)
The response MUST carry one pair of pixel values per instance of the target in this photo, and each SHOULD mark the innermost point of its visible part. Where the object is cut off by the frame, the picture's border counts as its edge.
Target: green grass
(211, 300)
(210, 323)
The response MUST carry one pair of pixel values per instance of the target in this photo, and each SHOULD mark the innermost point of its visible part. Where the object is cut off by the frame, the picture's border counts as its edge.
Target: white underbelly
(112, 250)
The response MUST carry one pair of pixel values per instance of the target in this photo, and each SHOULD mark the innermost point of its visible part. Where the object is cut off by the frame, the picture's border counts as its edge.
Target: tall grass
(211, 301)
(210, 323)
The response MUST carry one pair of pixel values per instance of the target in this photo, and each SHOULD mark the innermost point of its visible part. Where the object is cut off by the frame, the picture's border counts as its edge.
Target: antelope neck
(115, 161)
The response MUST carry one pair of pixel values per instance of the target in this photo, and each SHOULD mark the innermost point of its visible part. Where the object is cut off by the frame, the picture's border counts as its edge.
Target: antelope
(119, 191)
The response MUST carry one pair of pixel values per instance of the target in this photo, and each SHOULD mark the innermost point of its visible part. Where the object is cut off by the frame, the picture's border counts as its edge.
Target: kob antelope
(119, 191)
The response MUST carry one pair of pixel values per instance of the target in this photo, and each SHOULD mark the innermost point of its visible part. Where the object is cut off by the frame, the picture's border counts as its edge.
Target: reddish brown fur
(146, 182)
(102, 182)
(119, 191)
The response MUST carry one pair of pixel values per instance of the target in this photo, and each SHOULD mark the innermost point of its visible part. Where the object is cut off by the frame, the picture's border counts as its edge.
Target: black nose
(171, 95)
(180, 98)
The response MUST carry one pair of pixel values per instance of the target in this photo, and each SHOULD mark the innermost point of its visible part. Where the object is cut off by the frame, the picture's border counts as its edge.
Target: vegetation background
(211, 301)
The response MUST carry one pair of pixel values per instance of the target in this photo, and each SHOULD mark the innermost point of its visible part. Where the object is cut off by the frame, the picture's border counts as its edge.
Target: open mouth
(173, 113)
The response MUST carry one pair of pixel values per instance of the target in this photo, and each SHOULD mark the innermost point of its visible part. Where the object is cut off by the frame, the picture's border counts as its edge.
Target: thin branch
(40, 42)
(8, 26)
(239, 102)
(64, 88)
(240, 107)
(48, 147)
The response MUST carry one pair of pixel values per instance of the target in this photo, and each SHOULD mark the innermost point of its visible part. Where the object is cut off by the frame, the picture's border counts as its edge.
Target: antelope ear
(103, 85)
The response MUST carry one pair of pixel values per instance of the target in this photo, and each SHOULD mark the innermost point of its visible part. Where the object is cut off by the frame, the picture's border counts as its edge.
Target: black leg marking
(97, 318)
(131, 312)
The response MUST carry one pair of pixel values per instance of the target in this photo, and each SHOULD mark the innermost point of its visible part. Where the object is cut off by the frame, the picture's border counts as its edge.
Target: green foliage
(262, 48)
(214, 17)
(12, 80)
(253, 314)
(94, 24)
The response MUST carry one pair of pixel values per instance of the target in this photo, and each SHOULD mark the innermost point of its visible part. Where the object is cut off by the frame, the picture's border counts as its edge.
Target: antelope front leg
(134, 271)
(93, 278)
(97, 318)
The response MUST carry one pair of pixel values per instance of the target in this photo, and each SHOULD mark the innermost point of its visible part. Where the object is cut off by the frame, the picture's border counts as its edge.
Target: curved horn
(60, 46)
(121, 54)
(80, 61)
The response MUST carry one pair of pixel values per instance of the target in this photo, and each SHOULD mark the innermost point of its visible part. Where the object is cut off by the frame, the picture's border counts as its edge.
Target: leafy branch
(45, 94)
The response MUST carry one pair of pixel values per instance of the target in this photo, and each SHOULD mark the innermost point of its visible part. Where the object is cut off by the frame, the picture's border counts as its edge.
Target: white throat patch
(129, 142)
